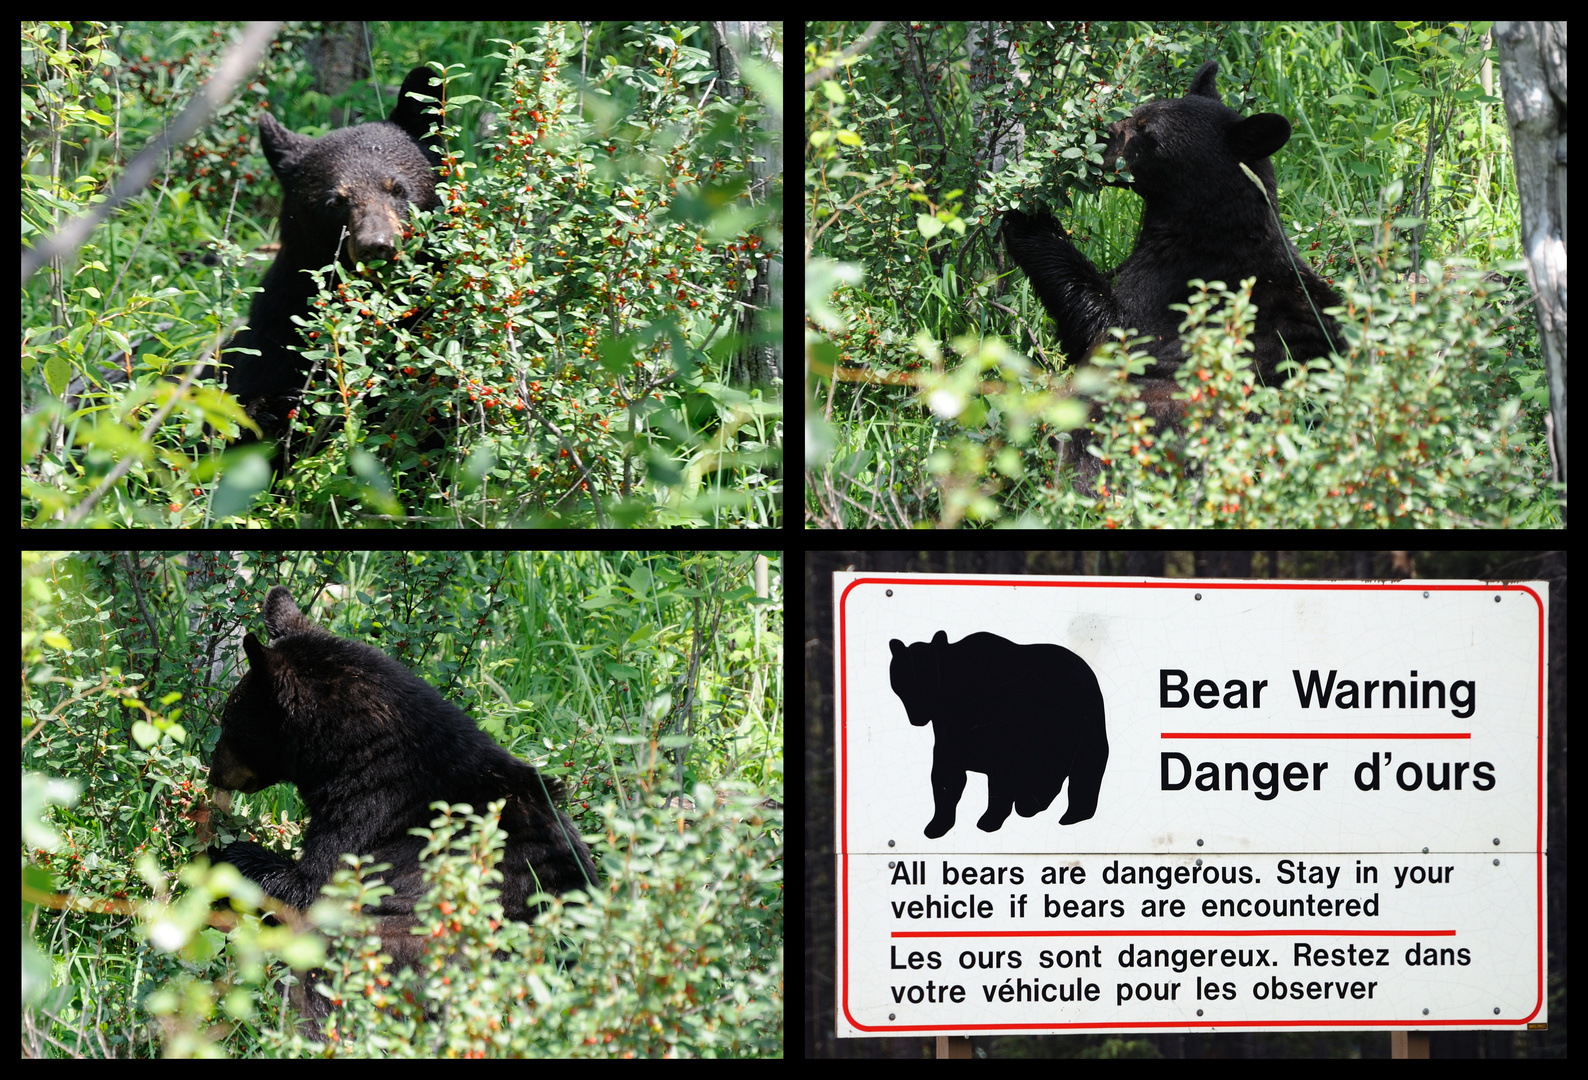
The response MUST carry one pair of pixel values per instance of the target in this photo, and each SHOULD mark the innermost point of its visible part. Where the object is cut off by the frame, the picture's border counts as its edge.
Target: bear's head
(915, 674)
(1193, 143)
(363, 179)
(256, 748)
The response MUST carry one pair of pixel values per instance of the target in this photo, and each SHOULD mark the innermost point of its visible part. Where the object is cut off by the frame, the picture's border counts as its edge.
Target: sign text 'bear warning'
(1112, 804)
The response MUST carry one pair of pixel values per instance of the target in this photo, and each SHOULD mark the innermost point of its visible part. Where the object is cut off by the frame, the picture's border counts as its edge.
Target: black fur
(1202, 218)
(370, 746)
(363, 179)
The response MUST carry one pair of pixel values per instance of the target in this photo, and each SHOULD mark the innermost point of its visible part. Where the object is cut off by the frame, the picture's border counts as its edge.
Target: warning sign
(1110, 804)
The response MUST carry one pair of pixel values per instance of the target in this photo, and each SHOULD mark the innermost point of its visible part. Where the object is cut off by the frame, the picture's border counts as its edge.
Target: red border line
(1039, 583)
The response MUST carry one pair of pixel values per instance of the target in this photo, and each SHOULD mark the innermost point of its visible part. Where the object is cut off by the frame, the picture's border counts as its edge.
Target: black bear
(1201, 218)
(370, 746)
(360, 181)
(1029, 716)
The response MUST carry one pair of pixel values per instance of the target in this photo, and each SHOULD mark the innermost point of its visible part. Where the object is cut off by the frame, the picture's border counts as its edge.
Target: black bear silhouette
(1029, 716)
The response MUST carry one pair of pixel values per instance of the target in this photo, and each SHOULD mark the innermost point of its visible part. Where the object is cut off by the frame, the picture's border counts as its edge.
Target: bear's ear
(940, 638)
(897, 646)
(414, 116)
(258, 655)
(1202, 85)
(282, 616)
(282, 147)
(1258, 136)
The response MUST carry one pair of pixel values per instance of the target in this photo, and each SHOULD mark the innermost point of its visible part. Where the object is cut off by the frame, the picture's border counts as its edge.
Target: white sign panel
(1111, 804)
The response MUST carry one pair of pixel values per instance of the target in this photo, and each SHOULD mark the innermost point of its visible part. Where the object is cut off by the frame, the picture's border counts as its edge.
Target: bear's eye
(398, 190)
